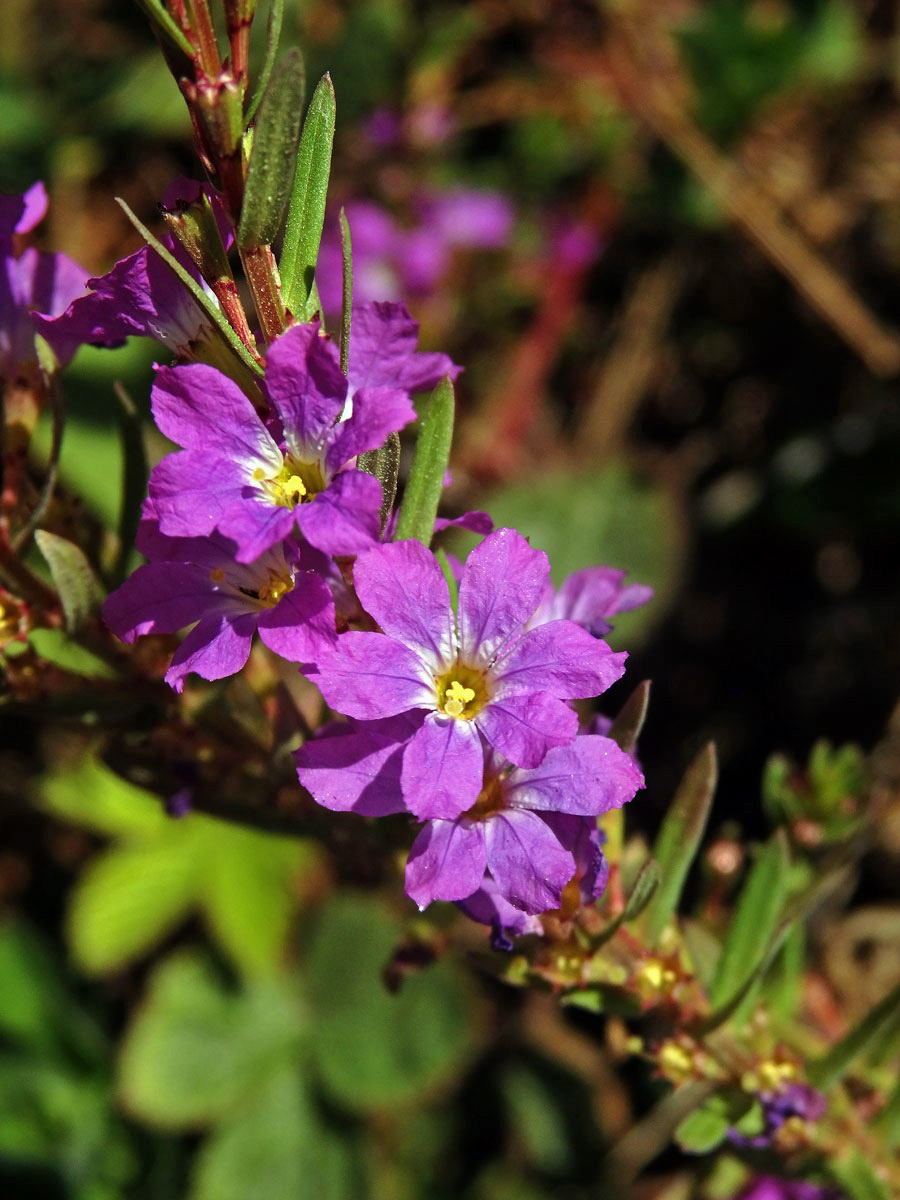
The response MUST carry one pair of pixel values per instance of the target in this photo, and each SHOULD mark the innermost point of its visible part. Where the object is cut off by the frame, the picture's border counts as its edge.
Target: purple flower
(480, 679)
(383, 351)
(791, 1100)
(768, 1187)
(198, 580)
(525, 828)
(257, 483)
(30, 282)
(590, 596)
(140, 297)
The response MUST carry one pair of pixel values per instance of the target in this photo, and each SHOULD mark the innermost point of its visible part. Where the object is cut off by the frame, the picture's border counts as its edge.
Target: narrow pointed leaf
(626, 728)
(858, 1179)
(211, 309)
(273, 159)
(753, 926)
(679, 838)
(346, 290)
(306, 208)
(165, 28)
(384, 464)
(642, 893)
(882, 1020)
(273, 36)
(135, 470)
(888, 1120)
(79, 592)
(426, 477)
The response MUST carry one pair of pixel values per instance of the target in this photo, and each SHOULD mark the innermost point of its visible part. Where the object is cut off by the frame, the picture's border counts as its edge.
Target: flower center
(296, 483)
(490, 801)
(267, 595)
(461, 692)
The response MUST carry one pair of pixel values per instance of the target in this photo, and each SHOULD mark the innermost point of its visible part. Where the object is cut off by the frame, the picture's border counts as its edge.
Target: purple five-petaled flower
(196, 581)
(473, 678)
(256, 482)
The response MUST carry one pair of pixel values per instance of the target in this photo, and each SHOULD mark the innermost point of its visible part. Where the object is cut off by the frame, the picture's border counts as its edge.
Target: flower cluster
(456, 691)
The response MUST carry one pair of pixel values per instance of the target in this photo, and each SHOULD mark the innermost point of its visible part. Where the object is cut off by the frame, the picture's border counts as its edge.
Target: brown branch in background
(631, 54)
(632, 361)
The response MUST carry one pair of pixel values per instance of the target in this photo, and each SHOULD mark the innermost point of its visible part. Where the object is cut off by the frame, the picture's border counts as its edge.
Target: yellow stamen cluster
(295, 483)
(271, 593)
(456, 698)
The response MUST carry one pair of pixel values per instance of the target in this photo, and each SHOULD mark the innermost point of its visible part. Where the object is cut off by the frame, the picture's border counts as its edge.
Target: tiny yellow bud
(675, 1059)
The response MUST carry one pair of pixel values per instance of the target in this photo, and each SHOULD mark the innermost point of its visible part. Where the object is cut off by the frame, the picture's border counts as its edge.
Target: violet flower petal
(217, 646)
(442, 768)
(383, 351)
(345, 518)
(501, 587)
(190, 495)
(306, 386)
(446, 862)
(353, 772)
(302, 622)
(369, 675)
(254, 524)
(586, 778)
(560, 658)
(162, 598)
(402, 586)
(376, 413)
(527, 862)
(524, 728)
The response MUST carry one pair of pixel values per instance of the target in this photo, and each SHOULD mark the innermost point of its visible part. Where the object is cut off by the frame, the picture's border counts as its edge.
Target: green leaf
(167, 30)
(31, 992)
(384, 464)
(79, 591)
(127, 899)
(135, 470)
(57, 648)
(679, 837)
(888, 1120)
(702, 1130)
(246, 895)
(346, 290)
(306, 208)
(374, 1049)
(883, 1019)
(858, 1178)
(642, 893)
(426, 477)
(273, 158)
(89, 794)
(280, 1148)
(754, 923)
(209, 307)
(273, 36)
(197, 1052)
(626, 728)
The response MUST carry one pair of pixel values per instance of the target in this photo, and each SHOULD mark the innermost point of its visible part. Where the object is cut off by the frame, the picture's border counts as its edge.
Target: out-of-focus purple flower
(383, 128)
(180, 803)
(575, 245)
(391, 261)
(481, 678)
(791, 1100)
(256, 484)
(589, 597)
(139, 297)
(768, 1187)
(527, 829)
(30, 283)
(196, 581)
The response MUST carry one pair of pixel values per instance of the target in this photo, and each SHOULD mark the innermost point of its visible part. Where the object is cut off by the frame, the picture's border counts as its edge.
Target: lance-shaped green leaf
(174, 42)
(679, 838)
(642, 893)
(626, 728)
(883, 1020)
(79, 592)
(888, 1121)
(135, 470)
(384, 464)
(273, 36)
(306, 209)
(346, 290)
(753, 926)
(209, 307)
(858, 1178)
(426, 477)
(273, 158)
